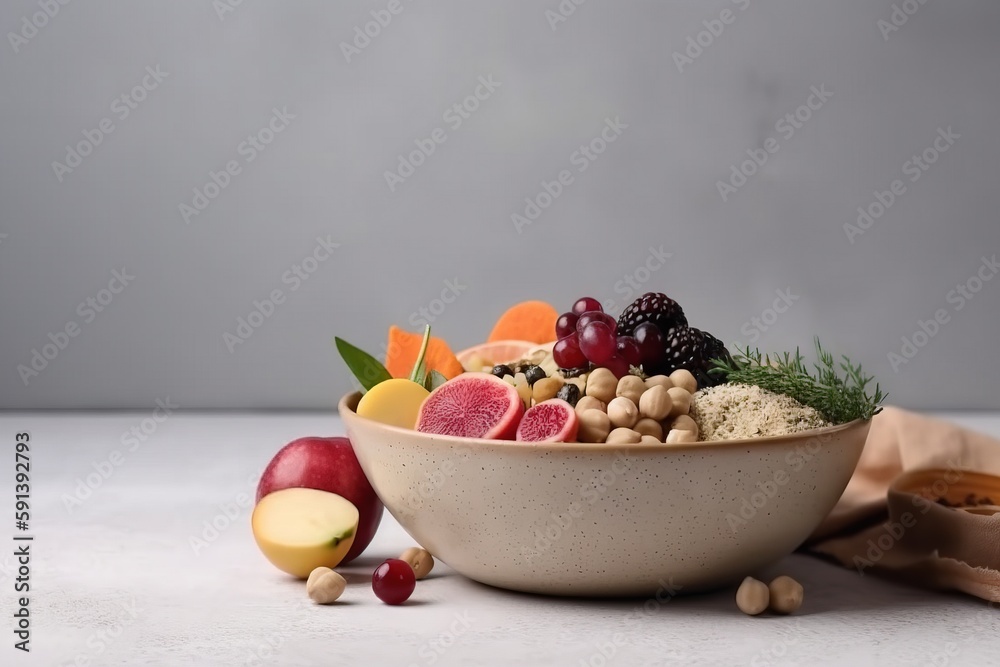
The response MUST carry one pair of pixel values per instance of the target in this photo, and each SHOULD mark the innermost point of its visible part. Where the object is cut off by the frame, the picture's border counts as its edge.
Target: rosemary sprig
(839, 392)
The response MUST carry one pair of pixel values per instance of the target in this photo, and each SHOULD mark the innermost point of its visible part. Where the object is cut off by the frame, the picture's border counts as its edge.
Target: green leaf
(419, 373)
(367, 369)
(434, 380)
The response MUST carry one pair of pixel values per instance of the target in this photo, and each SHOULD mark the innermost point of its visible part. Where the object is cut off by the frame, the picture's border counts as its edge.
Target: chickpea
(786, 594)
(680, 401)
(684, 379)
(324, 585)
(589, 403)
(659, 380)
(678, 437)
(650, 440)
(649, 427)
(656, 403)
(752, 596)
(594, 426)
(623, 436)
(631, 387)
(420, 560)
(602, 385)
(546, 388)
(623, 412)
(684, 423)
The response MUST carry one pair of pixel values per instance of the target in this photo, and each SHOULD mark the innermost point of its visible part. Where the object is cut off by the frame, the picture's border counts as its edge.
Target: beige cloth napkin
(889, 520)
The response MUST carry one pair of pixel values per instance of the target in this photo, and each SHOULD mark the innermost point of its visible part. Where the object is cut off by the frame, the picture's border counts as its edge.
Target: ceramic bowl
(606, 520)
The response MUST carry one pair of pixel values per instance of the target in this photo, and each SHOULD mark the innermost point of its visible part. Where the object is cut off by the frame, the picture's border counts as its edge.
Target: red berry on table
(567, 353)
(566, 325)
(598, 342)
(393, 581)
(586, 303)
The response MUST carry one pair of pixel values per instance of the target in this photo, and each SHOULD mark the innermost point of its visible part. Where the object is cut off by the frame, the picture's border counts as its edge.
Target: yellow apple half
(299, 530)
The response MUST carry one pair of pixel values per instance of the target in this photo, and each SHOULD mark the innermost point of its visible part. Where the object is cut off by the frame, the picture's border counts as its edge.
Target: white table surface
(116, 580)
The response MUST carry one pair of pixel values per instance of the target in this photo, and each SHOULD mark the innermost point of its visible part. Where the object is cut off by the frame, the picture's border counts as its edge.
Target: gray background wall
(323, 176)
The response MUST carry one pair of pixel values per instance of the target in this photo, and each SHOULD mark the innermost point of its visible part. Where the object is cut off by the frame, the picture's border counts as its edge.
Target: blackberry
(653, 307)
(694, 350)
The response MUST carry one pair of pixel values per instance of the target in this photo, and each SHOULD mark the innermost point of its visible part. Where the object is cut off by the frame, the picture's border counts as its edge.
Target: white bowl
(604, 520)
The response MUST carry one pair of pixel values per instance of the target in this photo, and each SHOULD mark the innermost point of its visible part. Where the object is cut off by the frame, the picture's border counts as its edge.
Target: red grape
(628, 350)
(393, 581)
(650, 340)
(597, 342)
(586, 303)
(567, 353)
(617, 365)
(596, 316)
(566, 324)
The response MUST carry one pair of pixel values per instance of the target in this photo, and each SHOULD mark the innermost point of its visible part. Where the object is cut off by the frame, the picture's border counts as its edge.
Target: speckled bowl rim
(347, 403)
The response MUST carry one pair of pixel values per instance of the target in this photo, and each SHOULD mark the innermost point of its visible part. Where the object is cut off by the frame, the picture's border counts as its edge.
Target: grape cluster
(587, 335)
(652, 334)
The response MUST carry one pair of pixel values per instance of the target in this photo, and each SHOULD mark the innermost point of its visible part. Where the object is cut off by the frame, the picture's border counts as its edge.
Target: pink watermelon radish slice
(472, 405)
(553, 420)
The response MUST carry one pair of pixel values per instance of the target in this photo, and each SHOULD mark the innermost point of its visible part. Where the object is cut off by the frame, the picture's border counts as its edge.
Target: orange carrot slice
(403, 348)
(533, 321)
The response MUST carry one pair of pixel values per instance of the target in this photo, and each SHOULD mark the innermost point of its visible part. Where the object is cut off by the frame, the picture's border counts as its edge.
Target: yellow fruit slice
(300, 529)
(395, 402)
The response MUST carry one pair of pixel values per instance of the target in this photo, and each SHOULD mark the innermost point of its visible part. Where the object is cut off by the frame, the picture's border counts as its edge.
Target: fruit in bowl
(619, 454)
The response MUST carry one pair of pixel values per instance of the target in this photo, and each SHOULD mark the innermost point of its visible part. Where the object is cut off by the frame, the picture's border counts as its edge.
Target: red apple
(326, 464)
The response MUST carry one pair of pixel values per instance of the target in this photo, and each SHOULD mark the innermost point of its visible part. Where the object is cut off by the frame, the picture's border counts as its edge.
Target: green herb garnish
(367, 369)
(419, 372)
(434, 380)
(839, 398)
